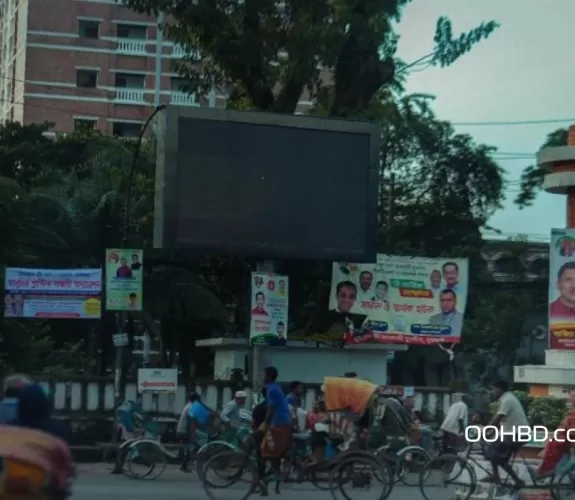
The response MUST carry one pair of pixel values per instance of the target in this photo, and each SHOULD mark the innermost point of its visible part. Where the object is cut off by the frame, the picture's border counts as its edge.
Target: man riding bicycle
(509, 416)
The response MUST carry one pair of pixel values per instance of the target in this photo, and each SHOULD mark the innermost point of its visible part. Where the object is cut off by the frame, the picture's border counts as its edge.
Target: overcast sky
(524, 71)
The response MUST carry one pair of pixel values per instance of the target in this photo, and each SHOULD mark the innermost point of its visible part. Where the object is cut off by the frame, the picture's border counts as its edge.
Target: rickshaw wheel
(231, 468)
(410, 463)
(346, 473)
(146, 454)
(448, 471)
(208, 451)
(564, 487)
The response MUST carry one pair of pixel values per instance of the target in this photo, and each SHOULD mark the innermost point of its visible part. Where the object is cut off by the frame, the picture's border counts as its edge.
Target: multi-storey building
(85, 63)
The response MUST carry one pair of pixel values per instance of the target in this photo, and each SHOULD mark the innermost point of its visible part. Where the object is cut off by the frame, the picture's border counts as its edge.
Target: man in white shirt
(510, 415)
(231, 412)
(455, 421)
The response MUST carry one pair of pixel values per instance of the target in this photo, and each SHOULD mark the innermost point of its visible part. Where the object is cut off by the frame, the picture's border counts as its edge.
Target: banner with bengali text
(269, 309)
(124, 279)
(52, 293)
(403, 300)
(562, 290)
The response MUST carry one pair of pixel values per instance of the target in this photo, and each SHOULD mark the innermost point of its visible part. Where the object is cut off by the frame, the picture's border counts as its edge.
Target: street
(95, 482)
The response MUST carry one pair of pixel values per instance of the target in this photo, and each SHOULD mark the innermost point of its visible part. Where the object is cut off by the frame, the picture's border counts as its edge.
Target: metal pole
(159, 49)
(262, 266)
(122, 318)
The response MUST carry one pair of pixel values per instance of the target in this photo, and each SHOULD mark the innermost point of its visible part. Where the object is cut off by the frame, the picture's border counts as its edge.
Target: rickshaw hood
(342, 393)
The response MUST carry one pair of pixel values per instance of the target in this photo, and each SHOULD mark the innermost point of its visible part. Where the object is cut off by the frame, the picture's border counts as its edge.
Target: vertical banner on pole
(124, 279)
(269, 309)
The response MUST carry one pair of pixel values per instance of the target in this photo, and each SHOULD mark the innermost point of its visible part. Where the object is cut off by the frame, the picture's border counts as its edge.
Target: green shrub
(547, 411)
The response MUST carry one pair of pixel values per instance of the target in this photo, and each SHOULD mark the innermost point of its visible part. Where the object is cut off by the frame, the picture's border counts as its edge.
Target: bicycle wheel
(321, 474)
(208, 451)
(447, 476)
(145, 460)
(564, 487)
(230, 468)
(410, 462)
(358, 474)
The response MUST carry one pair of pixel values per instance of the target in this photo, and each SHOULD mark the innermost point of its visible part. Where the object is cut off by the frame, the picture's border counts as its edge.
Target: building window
(132, 31)
(82, 124)
(129, 81)
(88, 29)
(127, 130)
(86, 78)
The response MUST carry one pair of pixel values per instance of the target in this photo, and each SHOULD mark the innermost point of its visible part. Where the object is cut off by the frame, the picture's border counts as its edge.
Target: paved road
(96, 483)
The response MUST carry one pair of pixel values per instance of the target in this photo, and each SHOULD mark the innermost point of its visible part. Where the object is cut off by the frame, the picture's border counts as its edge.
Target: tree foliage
(495, 326)
(64, 199)
(438, 188)
(266, 53)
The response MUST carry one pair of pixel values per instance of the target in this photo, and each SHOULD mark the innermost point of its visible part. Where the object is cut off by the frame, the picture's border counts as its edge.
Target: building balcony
(132, 47)
(183, 99)
(130, 96)
(178, 52)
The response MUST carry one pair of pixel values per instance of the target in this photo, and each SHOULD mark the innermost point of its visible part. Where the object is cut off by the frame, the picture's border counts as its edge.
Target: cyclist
(258, 418)
(510, 415)
(277, 428)
(556, 452)
(184, 432)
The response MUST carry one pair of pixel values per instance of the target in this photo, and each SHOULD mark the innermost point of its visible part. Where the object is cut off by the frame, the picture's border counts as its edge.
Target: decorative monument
(557, 376)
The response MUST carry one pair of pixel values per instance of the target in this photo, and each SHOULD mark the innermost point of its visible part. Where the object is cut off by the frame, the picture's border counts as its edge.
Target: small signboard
(157, 380)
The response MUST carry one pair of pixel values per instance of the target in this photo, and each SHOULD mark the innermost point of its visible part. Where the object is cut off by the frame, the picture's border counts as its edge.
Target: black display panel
(267, 186)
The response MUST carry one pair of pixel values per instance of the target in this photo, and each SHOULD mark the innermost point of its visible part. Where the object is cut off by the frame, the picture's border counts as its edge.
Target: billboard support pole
(262, 266)
(123, 317)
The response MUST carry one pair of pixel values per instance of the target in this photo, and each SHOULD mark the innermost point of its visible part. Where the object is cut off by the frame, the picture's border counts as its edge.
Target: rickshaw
(348, 402)
(217, 436)
(399, 447)
(141, 446)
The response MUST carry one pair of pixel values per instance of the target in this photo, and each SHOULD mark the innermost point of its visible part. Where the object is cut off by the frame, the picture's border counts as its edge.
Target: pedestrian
(231, 412)
(455, 422)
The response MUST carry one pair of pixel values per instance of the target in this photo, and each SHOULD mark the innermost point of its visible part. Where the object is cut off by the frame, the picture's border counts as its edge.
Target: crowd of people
(278, 416)
(26, 423)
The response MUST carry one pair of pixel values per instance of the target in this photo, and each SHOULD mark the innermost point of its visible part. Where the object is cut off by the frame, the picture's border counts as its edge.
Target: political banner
(562, 289)
(401, 300)
(269, 310)
(52, 293)
(124, 279)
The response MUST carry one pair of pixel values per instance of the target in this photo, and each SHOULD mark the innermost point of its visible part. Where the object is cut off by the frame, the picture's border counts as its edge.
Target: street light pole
(123, 317)
(135, 158)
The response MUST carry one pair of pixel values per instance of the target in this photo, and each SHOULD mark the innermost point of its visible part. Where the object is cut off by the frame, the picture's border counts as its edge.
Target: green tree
(439, 188)
(265, 53)
(495, 327)
(532, 177)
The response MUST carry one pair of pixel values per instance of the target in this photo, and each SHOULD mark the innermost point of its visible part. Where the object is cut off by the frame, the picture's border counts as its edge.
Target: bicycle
(231, 467)
(456, 470)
